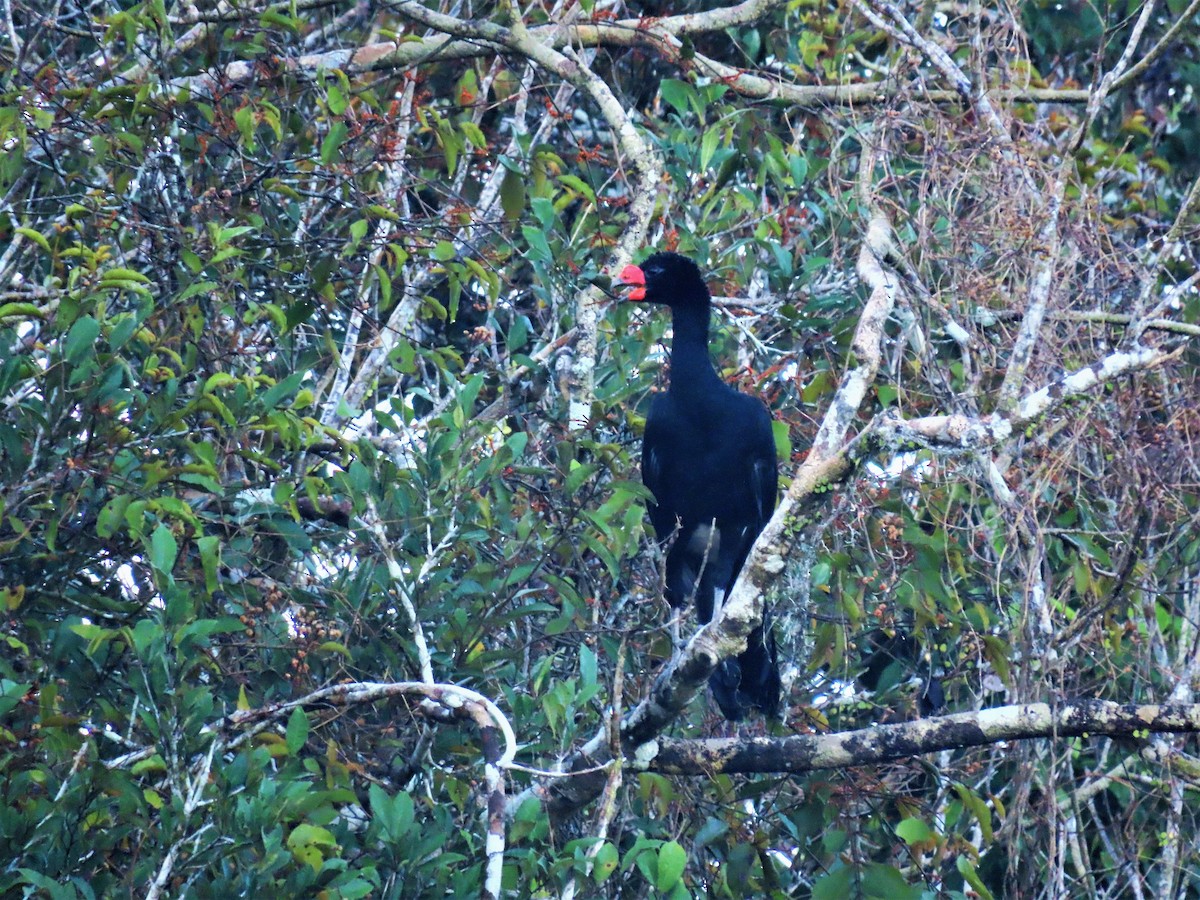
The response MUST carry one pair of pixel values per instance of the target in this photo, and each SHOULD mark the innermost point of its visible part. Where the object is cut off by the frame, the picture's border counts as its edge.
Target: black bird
(709, 459)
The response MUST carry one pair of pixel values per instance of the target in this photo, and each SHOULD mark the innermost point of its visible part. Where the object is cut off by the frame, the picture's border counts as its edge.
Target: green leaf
(334, 647)
(308, 842)
(225, 235)
(811, 45)
(539, 248)
(11, 599)
(512, 194)
(243, 118)
(335, 99)
(575, 183)
(356, 888)
(676, 93)
(123, 327)
(469, 393)
(579, 473)
(53, 889)
(34, 236)
(913, 831)
(198, 632)
(997, 652)
(473, 135)
(95, 635)
(451, 145)
(967, 871)
(119, 284)
(120, 274)
(672, 859)
(798, 163)
(545, 212)
(155, 765)
(210, 557)
(112, 516)
(220, 409)
(444, 251)
(81, 339)
(297, 731)
(218, 380)
(394, 813)
(708, 146)
(587, 664)
(605, 862)
(135, 518)
(275, 394)
(886, 882)
(21, 311)
(836, 885)
(783, 440)
(978, 808)
(466, 91)
(163, 550)
(333, 142)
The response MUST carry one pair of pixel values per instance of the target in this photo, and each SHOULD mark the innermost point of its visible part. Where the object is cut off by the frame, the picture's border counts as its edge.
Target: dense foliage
(294, 329)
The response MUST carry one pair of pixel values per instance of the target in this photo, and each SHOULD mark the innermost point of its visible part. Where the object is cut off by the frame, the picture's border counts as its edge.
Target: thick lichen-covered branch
(882, 743)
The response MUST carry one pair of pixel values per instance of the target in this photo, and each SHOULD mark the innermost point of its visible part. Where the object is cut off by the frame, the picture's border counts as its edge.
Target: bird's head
(666, 278)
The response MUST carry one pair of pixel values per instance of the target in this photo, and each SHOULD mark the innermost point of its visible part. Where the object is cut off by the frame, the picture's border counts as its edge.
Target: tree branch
(1046, 257)
(882, 743)
(661, 35)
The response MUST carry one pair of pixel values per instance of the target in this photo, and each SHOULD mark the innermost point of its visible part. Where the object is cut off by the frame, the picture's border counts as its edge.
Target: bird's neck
(691, 366)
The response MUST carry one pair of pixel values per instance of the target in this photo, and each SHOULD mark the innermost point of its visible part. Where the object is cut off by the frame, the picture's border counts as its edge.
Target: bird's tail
(752, 679)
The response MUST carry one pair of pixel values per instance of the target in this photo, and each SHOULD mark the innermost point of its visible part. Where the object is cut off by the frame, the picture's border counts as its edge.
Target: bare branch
(659, 34)
(902, 30)
(403, 586)
(1154, 53)
(1039, 298)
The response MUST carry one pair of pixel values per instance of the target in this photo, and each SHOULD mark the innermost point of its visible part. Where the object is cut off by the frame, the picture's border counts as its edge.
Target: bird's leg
(673, 602)
(704, 541)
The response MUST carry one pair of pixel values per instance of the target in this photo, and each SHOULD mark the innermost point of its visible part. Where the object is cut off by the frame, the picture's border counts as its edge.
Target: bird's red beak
(636, 278)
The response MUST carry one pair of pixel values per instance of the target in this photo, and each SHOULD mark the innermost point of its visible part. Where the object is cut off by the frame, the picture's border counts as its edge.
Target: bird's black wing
(761, 475)
(654, 444)
(764, 472)
(752, 678)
